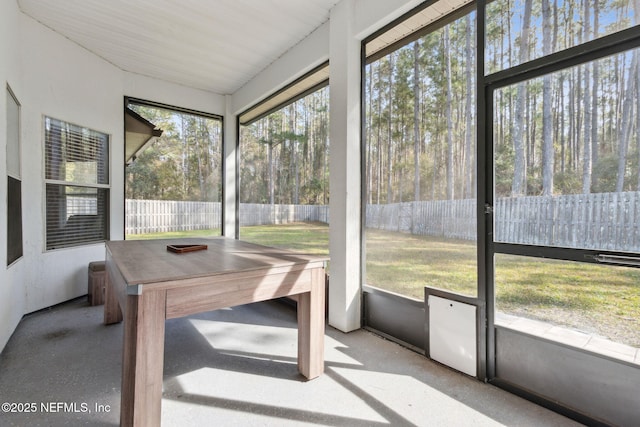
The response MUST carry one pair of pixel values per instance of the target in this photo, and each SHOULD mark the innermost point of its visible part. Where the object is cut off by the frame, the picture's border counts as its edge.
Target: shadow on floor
(238, 367)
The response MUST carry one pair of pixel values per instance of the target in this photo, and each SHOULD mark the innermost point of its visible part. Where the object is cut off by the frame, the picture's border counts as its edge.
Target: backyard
(592, 298)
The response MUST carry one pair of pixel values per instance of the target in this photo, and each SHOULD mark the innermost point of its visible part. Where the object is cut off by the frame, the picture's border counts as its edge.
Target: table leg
(311, 327)
(143, 359)
(112, 311)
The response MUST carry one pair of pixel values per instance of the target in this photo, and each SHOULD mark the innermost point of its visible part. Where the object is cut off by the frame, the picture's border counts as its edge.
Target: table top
(149, 261)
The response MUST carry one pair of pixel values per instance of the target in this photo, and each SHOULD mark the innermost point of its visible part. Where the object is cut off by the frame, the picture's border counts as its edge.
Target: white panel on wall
(452, 334)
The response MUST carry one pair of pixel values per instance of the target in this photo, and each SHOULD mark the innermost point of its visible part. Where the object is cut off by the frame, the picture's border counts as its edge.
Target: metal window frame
(590, 51)
(146, 103)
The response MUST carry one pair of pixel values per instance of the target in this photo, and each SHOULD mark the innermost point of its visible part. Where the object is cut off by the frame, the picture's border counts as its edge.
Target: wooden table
(149, 284)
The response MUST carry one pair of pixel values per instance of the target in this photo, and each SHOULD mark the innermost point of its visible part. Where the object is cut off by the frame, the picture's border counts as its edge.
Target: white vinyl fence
(454, 219)
(608, 221)
(259, 214)
(604, 221)
(159, 216)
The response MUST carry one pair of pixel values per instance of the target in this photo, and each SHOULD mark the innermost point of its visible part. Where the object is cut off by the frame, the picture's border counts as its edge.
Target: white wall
(12, 293)
(172, 94)
(69, 83)
(302, 58)
(55, 77)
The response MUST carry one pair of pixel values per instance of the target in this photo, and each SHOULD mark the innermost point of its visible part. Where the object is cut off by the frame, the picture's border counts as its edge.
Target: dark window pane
(14, 220)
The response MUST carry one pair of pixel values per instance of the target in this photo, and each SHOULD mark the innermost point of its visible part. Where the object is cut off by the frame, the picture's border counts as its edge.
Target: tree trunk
(636, 8)
(518, 185)
(390, 133)
(560, 123)
(370, 137)
(637, 2)
(625, 126)
(587, 165)
(185, 158)
(449, 119)
(270, 165)
(468, 174)
(547, 126)
(271, 174)
(294, 141)
(594, 100)
(379, 140)
(201, 162)
(416, 121)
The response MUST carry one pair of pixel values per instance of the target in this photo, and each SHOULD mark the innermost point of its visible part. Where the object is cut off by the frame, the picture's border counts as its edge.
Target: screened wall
(284, 174)
(420, 163)
(502, 168)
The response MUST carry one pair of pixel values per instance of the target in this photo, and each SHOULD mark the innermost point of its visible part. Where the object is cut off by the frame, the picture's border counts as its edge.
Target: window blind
(77, 184)
(75, 154)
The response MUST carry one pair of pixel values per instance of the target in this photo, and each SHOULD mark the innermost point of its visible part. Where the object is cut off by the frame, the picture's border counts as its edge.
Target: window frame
(585, 53)
(105, 229)
(130, 100)
(14, 254)
(488, 83)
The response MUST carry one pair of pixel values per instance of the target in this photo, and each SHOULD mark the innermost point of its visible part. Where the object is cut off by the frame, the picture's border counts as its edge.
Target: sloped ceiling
(214, 45)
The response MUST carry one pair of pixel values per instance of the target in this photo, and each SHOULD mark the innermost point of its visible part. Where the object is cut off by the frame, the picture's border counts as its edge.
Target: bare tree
(547, 126)
(625, 126)
(416, 120)
(390, 133)
(449, 118)
(594, 98)
(468, 168)
(518, 186)
(587, 164)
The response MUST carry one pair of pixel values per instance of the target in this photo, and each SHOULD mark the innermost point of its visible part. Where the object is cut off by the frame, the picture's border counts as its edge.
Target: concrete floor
(238, 367)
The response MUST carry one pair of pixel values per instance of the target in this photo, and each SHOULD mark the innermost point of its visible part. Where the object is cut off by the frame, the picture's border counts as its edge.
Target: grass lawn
(405, 263)
(311, 238)
(598, 299)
